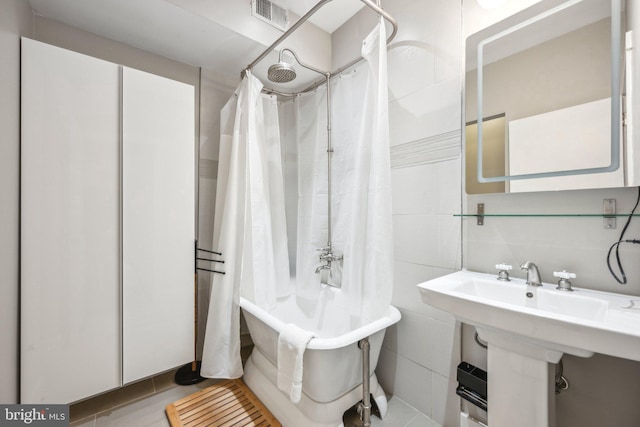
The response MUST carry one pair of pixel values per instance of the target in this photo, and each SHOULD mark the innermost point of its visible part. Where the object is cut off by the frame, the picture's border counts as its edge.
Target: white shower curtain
(250, 227)
(361, 189)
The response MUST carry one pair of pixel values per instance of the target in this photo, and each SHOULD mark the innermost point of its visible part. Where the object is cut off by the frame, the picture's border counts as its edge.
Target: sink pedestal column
(520, 381)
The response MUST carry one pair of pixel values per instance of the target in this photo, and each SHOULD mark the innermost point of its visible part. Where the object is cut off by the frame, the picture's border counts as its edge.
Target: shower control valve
(331, 257)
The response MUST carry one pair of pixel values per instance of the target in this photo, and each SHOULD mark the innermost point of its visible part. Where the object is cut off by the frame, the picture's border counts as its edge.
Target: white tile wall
(411, 338)
(430, 110)
(427, 239)
(411, 65)
(406, 379)
(432, 187)
(431, 343)
(406, 295)
(445, 338)
(446, 405)
(579, 245)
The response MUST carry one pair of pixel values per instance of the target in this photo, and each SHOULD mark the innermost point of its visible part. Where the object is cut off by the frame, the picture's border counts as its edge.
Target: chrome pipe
(308, 15)
(330, 256)
(302, 64)
(376, 8)
(365, 406)
(329, 155)
(284, 36)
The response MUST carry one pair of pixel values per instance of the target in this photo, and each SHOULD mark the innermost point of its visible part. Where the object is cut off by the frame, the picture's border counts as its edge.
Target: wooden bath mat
(228, 403)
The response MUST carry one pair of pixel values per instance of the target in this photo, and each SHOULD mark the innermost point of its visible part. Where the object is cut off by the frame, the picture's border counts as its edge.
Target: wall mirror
(543, 100)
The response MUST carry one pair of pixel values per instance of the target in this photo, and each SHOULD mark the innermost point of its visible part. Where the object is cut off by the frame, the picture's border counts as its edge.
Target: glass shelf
(533, 215)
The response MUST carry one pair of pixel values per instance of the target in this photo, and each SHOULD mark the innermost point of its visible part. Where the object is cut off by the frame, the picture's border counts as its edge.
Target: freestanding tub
(332, 376)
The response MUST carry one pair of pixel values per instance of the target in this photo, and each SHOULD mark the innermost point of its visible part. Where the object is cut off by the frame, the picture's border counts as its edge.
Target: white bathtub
(332, 378)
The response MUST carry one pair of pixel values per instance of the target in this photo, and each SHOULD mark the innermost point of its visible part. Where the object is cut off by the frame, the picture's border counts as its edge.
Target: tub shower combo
(303, 216)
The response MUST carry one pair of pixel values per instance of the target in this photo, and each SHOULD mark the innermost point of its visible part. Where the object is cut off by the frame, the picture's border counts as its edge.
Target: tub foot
(381, 401)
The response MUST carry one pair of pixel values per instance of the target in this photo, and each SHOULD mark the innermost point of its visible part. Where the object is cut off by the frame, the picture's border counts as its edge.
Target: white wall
(603, 390)
(15, 21)
(420, 354)
(59, 34)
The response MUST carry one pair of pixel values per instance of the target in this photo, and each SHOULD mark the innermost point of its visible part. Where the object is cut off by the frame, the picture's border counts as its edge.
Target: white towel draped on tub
(292, 343)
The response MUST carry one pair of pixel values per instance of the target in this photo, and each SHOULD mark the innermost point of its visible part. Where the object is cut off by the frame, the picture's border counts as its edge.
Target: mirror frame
(616, 95)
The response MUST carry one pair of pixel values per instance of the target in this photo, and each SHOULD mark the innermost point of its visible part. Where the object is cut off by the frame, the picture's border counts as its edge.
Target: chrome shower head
(281, 72)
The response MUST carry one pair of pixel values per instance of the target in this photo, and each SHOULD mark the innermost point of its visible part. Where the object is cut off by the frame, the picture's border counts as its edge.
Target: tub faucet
(326, 278)
(533, 275)
(327, 256)
(323, 267)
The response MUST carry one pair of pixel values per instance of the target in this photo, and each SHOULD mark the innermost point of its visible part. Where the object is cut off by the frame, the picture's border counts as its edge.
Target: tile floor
(149, 411)
(400, 414)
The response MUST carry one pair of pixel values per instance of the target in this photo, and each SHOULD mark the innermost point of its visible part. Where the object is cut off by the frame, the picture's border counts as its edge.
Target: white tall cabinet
(158, 223)
(107, 224)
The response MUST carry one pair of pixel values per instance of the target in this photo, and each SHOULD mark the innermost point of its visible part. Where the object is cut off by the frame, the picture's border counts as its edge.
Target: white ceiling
(216, 34)
(330, 17)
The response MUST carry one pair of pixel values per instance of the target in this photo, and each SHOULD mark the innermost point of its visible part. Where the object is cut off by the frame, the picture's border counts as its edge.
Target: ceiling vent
(270, 13)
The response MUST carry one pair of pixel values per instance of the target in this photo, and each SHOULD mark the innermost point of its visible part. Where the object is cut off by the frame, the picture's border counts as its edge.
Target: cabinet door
(70, 225)
(158, 224)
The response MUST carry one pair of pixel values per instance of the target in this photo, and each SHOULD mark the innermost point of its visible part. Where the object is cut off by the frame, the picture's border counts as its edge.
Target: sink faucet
(533, 275)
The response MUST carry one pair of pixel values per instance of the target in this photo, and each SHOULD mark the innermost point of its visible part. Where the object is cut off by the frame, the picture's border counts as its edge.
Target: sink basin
(581, 323)
(541, 298)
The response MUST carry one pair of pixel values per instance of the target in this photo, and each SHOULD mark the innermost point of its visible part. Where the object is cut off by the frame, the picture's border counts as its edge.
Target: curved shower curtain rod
(371, 5)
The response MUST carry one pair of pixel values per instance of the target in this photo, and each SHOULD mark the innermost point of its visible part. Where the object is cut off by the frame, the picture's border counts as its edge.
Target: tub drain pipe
(365, 405)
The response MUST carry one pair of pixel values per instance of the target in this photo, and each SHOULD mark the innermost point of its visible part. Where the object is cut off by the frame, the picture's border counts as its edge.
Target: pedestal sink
(527, 328)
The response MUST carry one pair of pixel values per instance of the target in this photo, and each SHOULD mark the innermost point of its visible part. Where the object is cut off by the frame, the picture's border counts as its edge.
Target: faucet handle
(564, 284)
(503, 274)
(564, 274)
(330, 257)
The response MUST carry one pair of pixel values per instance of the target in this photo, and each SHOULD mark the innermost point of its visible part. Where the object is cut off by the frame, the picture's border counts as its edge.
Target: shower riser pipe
(375, 7)
(365, 406)
(329, 155)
